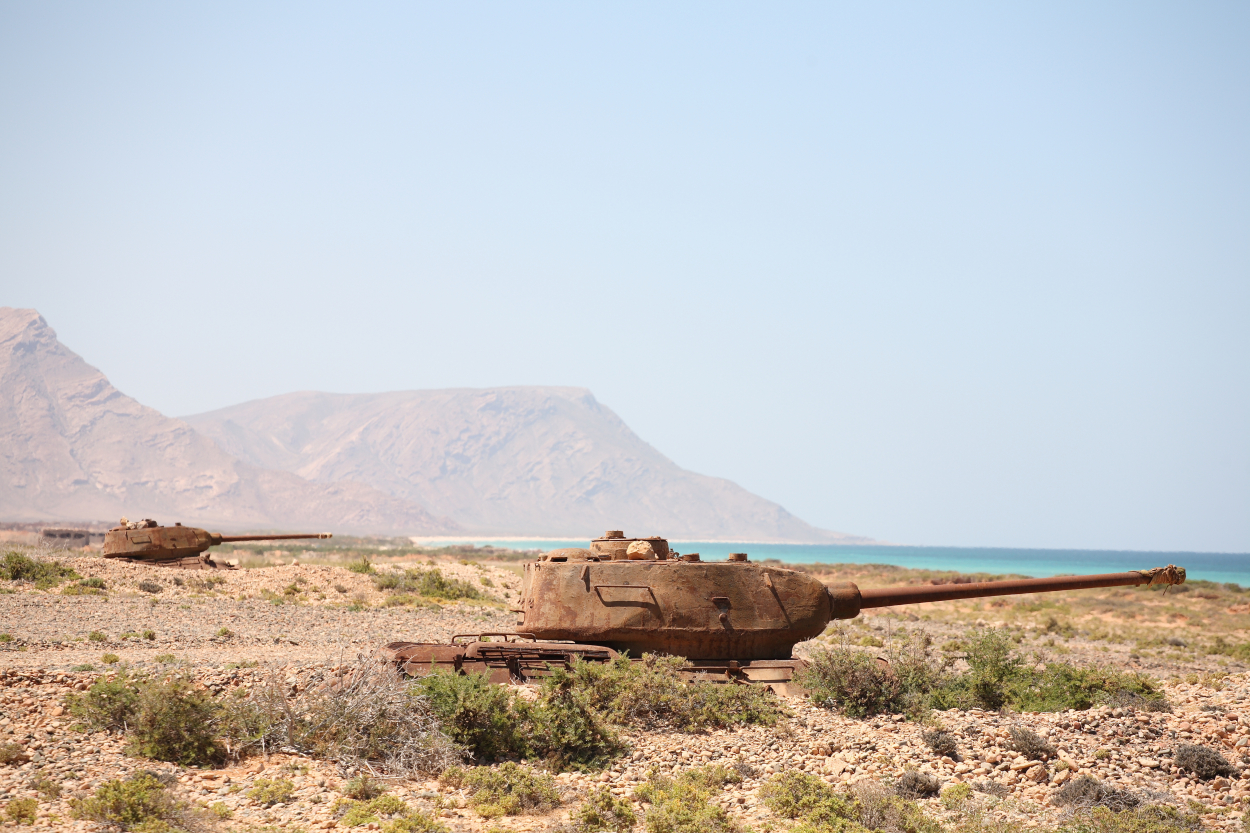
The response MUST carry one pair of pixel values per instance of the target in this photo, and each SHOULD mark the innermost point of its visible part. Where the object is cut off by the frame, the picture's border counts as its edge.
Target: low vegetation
(602, 811)
(140, 802)
(368, 716)
(21, 811)
(492, 722)
(913, 681)
(1203, 762)
(684, 804)
(270, 791)
(628, 692)
(43, 574)
(506, 790)
(165, 718)
(429, 583)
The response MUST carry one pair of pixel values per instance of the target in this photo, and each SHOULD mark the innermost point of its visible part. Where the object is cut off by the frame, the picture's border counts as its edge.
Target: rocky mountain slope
(74, 447)
(514, 460)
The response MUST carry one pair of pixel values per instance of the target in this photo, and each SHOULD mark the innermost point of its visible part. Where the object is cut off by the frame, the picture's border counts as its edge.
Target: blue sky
(969, 274)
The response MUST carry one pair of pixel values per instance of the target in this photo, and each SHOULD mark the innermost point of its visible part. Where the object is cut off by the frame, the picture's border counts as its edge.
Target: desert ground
(297, 615)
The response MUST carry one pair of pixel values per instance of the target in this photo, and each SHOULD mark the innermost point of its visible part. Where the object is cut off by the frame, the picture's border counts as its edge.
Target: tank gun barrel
(849, 600)
(228, 539)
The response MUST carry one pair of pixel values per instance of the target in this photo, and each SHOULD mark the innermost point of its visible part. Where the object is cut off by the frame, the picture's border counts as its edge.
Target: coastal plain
(232, 630)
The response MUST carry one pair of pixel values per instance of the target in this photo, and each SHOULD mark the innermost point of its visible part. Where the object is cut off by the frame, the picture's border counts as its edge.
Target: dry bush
(915, 784)
(1085, 792)
(1201, 761)
(941, 742)
(1030, 744)
(366, 719)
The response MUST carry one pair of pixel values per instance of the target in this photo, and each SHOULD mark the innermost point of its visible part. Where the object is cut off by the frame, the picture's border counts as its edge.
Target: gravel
(316, 628)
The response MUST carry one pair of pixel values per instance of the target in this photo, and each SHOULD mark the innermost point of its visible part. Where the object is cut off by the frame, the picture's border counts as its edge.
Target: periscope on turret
(185, 547)
(735, 619)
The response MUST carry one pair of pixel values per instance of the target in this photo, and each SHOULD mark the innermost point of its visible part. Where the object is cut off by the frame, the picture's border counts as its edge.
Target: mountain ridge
(73, 446)
(518, 461)
(514, 460)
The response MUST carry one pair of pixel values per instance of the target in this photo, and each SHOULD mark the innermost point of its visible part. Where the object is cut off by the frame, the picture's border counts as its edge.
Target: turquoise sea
(1209, 566)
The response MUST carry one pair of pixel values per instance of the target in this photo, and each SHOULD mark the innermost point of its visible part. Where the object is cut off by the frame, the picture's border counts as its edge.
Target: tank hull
(698, 610)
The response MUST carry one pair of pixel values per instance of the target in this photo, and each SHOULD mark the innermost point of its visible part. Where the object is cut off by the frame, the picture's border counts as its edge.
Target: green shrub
(176, 722)
(270, 791)
(4, 637)
(149, 586)
(1061, 686)
(110, 659)
(566, 731)
(97, 636)
(992, 663)
(626, 692)
(683, 804)
(1154, 818)
(362, 565)
(46, 787)
(22, 811)
(373, 811)
(603, 811)
(954, 796)
(108, 704)
(430, 583)
(45, 574)
(851, 681)
(798, 795)
(140, 802)
(1239, 651)
(492, 722)
(363, 788)
(414, 822)
(85, 587)
(488, 720)
(149, 635)
(508, 790)
(998, 676)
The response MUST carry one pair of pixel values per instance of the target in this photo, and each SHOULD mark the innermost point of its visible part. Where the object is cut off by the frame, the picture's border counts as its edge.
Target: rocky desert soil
(231, 629)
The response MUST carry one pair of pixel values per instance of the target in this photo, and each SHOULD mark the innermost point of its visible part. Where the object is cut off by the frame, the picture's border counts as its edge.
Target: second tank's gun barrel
(849, 600)
(228, 539)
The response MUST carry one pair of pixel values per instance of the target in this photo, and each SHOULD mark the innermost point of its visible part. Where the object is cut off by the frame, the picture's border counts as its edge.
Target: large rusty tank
(180, 546)
(734, 619)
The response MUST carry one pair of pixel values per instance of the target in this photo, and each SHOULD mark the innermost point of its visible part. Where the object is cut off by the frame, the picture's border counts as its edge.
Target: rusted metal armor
(733, 619)
(185, 547)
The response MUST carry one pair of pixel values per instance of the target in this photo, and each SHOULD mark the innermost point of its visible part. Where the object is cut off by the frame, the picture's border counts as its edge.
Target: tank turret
(177, 546)
(734, 619)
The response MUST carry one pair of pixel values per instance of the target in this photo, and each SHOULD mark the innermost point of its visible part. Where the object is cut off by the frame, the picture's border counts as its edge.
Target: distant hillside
(512, 461)
(72, 446)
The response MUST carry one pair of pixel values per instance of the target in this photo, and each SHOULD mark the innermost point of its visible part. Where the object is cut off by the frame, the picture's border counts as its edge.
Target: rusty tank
(734, 619)
(185, 547)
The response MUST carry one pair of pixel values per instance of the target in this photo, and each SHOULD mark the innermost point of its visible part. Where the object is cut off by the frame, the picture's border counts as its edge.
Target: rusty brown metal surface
(706, 610)
(734, 621)
(177, 545)
(890, 596)
(512, 658)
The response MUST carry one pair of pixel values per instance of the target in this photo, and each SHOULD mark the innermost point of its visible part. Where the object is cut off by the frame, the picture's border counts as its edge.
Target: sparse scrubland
(251, 700)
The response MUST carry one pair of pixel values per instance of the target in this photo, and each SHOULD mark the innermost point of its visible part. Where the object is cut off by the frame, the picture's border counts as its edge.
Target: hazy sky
(933, 273)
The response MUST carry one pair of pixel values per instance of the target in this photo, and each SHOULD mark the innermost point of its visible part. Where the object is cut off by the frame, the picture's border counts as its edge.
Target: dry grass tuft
(368, 719)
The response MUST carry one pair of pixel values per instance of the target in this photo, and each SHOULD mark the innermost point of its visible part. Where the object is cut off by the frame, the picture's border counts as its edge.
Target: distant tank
(180, 546)
(732, 619)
